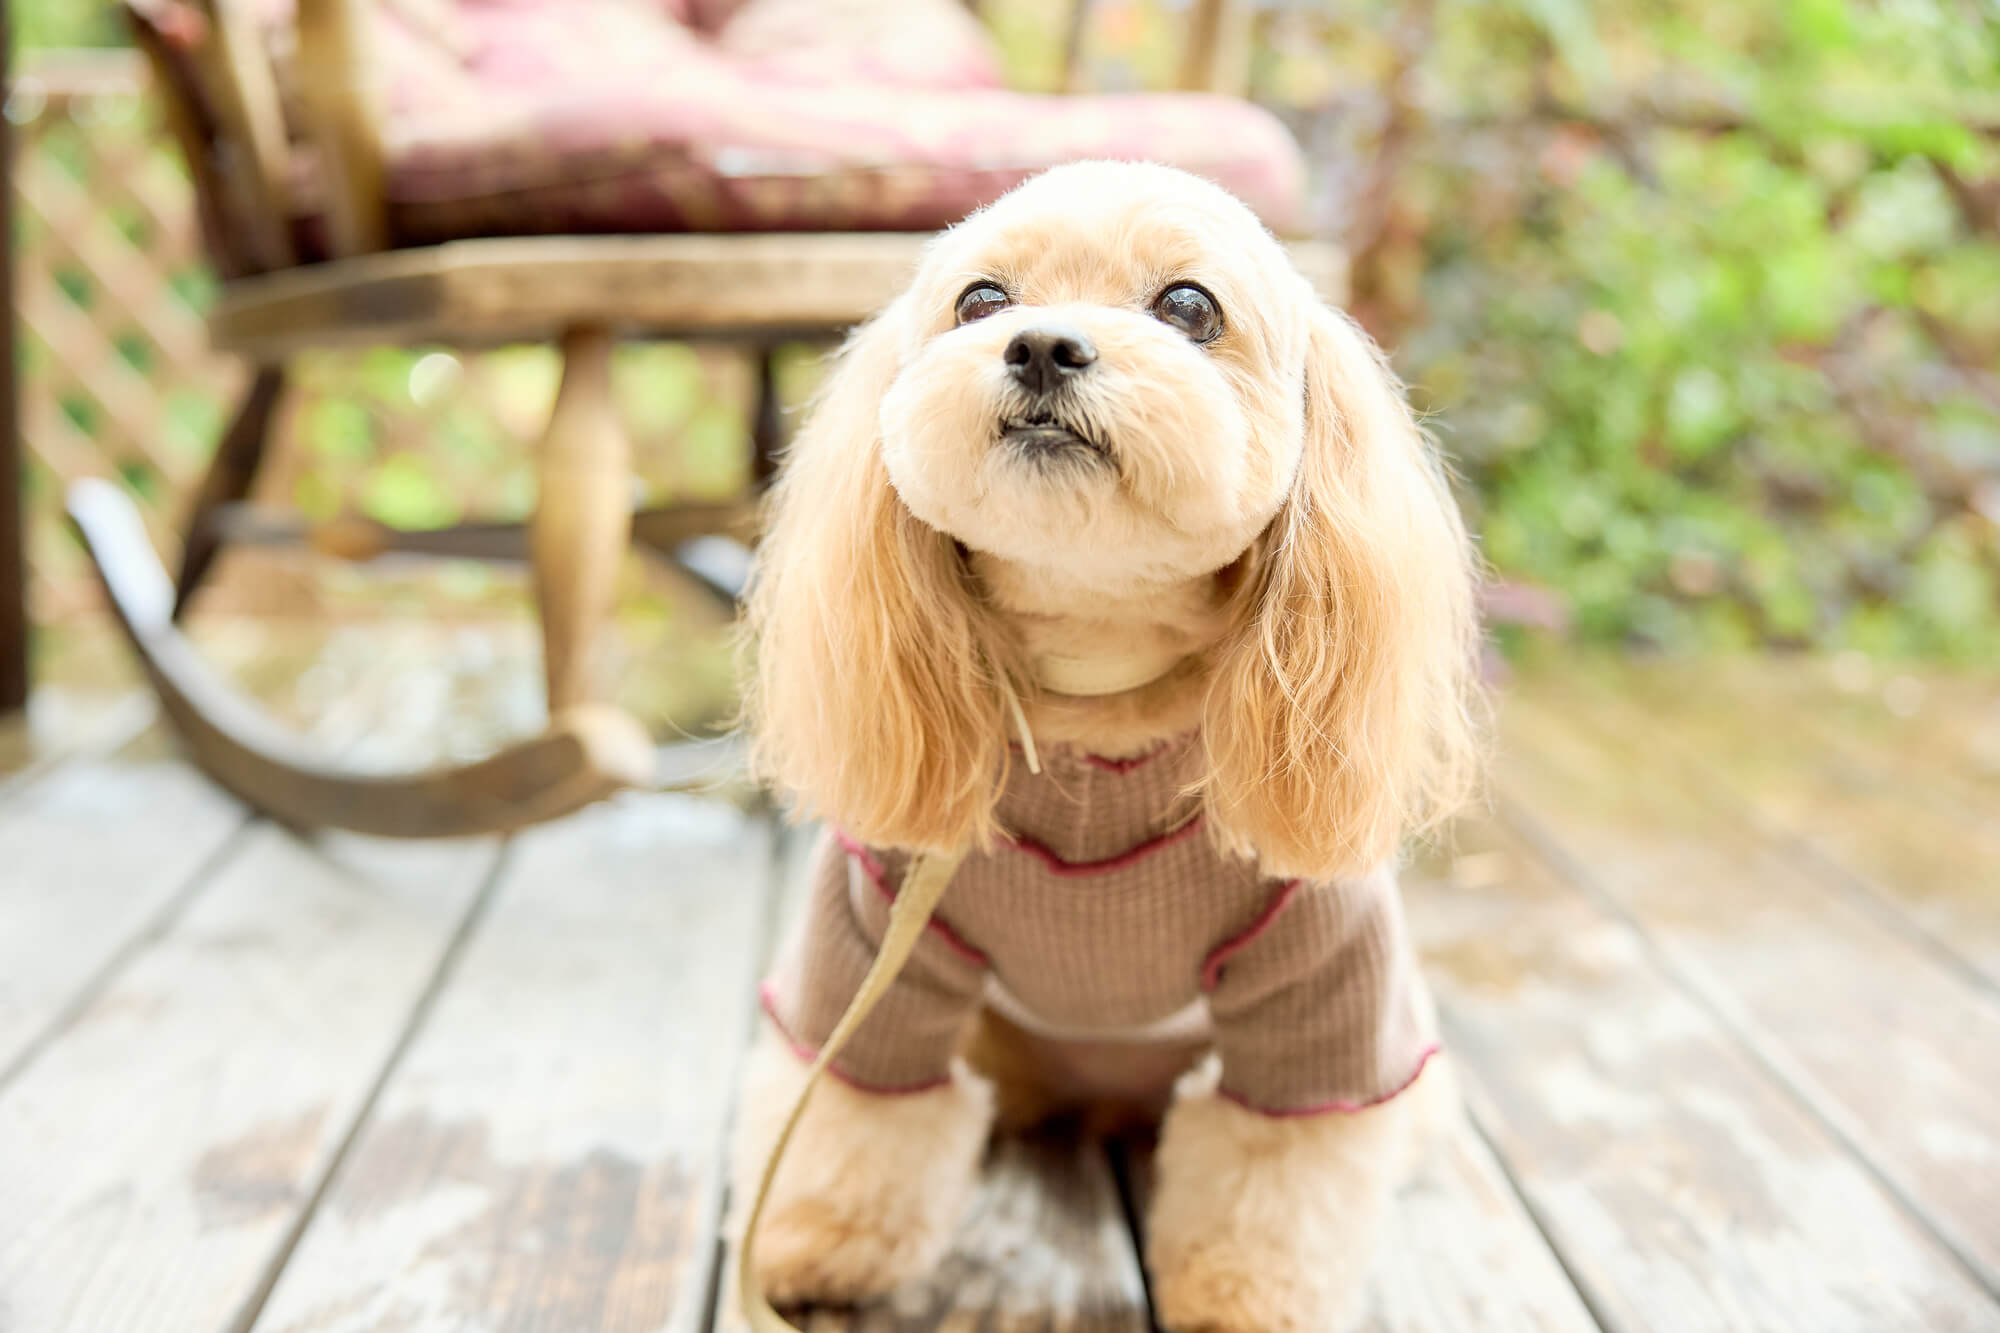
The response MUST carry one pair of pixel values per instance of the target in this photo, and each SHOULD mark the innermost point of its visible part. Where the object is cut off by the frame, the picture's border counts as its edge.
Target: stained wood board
(1682, 1187)
(155, 1160)
(547, 1155)
(1043, 1246)
(103, 845)
(60, 722)
(1869, 802)
(1461, 1254)
(1896, 1054)
(94, 852)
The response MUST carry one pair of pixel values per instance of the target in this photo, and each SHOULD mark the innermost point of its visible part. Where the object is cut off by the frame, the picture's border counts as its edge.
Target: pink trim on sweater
(1211, 966)
(880, 879)
(1127, 765)
(1111, 765)
(767, 1000)
(1339, 1107)
(1077, 869)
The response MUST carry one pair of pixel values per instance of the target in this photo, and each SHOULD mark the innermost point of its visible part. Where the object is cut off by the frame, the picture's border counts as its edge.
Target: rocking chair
(471, 172)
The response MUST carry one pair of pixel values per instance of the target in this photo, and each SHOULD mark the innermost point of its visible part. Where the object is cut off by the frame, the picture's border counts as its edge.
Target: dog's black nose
(1042, 358)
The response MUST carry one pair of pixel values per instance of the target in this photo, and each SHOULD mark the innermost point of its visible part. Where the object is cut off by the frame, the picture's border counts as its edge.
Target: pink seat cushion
(518, 117)
(827, 115)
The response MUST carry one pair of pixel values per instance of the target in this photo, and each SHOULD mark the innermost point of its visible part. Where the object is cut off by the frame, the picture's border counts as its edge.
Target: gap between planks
(447, 962)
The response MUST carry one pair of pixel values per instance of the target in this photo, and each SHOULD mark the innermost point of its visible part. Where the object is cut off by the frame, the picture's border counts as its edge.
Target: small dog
(1110, 457)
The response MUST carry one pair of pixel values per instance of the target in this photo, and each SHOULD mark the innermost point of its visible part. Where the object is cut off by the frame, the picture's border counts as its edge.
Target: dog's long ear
(1341, 718)
(872, 698)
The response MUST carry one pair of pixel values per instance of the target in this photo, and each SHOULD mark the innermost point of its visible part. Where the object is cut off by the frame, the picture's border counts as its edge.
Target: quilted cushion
(515, 117)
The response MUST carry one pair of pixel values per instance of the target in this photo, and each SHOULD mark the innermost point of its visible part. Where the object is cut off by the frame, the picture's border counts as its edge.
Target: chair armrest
(338, 99)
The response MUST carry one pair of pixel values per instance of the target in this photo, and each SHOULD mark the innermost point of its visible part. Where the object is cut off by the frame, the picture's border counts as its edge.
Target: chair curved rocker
(587, 753)
(306, 273)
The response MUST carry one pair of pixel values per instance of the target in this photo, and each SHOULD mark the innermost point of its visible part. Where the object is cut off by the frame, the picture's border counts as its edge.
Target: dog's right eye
(980, 300)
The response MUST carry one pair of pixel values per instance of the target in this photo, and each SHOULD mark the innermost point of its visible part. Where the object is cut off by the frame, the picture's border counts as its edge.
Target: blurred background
(1702, 298)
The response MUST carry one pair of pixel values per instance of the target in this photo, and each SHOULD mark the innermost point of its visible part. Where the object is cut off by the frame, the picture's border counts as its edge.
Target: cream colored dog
(1110, 423)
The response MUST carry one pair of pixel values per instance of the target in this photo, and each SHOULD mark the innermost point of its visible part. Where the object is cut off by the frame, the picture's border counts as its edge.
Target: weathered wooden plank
(60, 723)
(108, 840)
(95, 853)
(1895, 1054)
(1043, 1246)
(155, 1160)
(547, 1155)
(1683, 1188)
(1460, 1253)
(1862, 799)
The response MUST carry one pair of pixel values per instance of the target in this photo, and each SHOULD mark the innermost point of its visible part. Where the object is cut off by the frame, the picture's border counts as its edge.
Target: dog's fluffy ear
(873, 696)
(1341, 717)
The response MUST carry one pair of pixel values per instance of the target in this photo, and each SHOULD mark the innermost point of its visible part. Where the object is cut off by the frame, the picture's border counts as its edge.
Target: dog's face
(1102, 374)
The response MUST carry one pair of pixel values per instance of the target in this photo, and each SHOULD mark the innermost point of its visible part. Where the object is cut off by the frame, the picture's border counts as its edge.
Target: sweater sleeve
(907, 1043)
(1319, 1006)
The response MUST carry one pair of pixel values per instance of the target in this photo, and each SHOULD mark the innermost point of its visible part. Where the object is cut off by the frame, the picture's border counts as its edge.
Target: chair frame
(581, 293)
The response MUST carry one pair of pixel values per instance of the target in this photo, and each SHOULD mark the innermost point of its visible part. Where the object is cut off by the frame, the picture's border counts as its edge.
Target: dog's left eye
(980, 300)
(1191, 310)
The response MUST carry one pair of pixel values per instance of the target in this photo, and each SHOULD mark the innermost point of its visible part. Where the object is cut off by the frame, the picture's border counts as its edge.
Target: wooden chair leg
(583, 517)
(767, 431)
(230, 475)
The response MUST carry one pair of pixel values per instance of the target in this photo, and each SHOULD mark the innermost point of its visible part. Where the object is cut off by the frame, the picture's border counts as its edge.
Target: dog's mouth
(1044, 437)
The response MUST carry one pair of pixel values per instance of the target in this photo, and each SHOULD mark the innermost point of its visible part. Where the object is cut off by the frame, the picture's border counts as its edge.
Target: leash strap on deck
(911, 911)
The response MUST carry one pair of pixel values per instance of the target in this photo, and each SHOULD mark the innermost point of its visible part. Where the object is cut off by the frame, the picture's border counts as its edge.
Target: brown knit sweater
(1108, 915)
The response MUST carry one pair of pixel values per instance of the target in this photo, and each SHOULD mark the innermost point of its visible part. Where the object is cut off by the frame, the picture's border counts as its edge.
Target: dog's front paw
(871, 1188)
(1266, 1225)
(1225, 1287)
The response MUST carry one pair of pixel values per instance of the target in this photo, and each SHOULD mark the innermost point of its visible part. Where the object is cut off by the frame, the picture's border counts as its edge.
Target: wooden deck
(1720, 970)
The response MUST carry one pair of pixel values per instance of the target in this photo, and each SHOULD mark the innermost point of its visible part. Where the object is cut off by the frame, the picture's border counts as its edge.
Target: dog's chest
(1104, 906)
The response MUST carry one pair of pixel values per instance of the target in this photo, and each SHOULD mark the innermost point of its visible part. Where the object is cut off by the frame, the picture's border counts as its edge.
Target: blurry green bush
(1705, 296)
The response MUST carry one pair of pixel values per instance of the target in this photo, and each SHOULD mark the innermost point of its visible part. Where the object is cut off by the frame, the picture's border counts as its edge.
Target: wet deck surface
(1720, 970)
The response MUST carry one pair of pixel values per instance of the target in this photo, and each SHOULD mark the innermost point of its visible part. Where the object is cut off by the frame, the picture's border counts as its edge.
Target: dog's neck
(1137, 658)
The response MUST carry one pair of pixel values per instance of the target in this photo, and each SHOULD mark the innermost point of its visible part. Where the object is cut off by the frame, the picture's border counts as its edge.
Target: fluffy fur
(867, 1196)
(1254, 1220)
(1264, 507)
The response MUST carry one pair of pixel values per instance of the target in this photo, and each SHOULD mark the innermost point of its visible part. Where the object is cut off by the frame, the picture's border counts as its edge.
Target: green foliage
(1707, 307)
(65, 23)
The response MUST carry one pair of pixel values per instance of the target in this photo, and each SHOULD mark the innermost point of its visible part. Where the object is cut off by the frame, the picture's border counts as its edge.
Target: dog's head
(1115, 373)
(1102, 373)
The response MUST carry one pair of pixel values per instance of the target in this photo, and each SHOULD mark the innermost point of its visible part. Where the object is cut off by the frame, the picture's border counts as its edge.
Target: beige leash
(909, 913)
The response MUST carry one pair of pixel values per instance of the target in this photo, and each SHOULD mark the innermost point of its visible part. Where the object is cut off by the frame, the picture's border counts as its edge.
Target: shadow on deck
(1720, 970)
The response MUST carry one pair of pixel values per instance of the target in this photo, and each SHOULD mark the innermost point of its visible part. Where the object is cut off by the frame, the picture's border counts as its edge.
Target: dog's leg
(872, 1185)
(1263, 1224)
